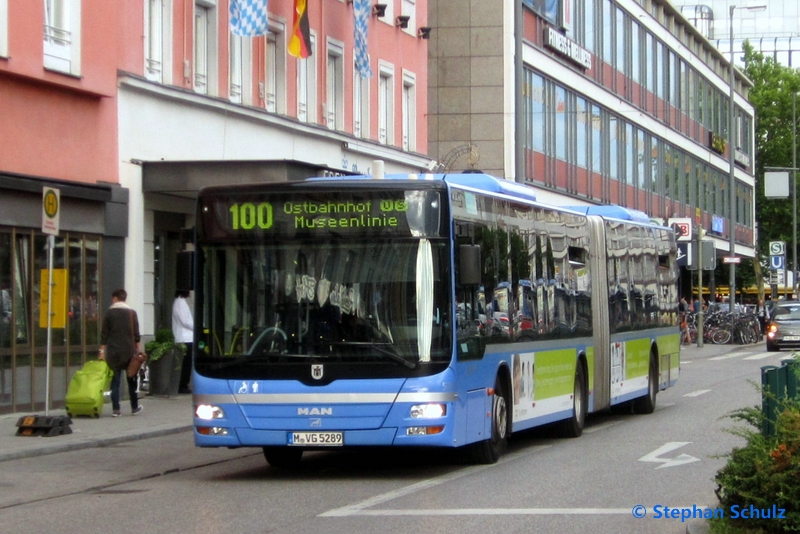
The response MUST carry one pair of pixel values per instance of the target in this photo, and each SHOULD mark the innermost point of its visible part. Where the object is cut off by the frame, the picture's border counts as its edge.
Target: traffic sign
(682, 227)
(731, 259)
(777, 263)
(777, 248)
(51, 204)
(684, 254)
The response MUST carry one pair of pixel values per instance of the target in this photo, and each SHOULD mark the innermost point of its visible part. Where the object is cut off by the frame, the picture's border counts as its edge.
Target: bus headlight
(428, 411)
(208, 412)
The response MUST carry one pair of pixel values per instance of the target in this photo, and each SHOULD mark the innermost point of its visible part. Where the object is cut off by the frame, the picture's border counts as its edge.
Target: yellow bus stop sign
(51, 202)
(59, 311)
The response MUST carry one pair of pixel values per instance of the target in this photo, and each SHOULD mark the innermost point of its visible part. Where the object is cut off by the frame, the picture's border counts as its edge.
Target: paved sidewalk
(160, 416)
(163, 416)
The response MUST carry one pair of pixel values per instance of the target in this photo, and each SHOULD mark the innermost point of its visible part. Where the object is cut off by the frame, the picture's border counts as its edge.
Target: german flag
(300, 43)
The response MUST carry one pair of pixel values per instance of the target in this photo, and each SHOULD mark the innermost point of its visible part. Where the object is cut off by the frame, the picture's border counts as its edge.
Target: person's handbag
(136, 363)
(139, 358)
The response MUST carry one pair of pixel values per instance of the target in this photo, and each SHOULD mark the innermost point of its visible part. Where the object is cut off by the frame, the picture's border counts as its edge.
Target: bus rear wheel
(283, 457)
(573, 427)
(647, 404)
(490, 450)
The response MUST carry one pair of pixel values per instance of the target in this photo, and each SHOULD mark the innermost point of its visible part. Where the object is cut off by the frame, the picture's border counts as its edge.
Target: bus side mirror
(184, 271)
(469, 265)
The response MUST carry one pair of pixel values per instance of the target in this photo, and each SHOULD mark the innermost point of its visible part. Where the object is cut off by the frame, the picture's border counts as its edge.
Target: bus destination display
(290, 214)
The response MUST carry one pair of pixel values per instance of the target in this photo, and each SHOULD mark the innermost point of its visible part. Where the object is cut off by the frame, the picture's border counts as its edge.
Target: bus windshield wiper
(394, 355)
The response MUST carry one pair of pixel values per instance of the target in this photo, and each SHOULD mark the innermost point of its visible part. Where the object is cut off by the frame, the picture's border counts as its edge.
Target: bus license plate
(317, 439)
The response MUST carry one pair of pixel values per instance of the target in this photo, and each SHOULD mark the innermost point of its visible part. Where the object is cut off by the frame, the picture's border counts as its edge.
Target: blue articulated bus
(421, 311)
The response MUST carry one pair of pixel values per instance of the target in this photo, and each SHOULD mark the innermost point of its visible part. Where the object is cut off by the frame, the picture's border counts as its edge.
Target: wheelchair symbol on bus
(248, 387)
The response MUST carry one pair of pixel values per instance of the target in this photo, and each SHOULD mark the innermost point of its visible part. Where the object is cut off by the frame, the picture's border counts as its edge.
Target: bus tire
(573, 427)
(283, 457)
(647, 404)
(490, 450)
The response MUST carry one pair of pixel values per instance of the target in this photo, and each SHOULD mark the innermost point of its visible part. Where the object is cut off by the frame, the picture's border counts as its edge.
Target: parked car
(783, 328)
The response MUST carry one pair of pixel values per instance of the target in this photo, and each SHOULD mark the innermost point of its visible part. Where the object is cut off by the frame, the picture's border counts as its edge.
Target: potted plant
(164, 358)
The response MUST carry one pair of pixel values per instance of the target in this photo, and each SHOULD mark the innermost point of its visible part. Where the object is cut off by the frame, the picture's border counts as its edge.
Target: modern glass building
(613, 102)
(773, 31)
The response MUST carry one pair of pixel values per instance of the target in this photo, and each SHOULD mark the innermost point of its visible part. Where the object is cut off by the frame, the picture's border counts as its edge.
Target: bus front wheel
(490, 450)
(283, 457)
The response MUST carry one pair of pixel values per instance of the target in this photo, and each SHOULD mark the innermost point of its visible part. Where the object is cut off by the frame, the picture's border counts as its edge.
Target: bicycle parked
(721, 328)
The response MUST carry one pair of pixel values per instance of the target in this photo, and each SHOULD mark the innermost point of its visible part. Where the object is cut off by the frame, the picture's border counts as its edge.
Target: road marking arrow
(697, 393)
(669, 462)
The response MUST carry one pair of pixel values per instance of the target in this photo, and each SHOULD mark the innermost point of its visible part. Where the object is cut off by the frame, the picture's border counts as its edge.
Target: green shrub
(763, 473)
(163, 342)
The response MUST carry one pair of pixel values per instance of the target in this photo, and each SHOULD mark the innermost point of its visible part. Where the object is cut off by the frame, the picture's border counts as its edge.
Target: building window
(388, 18)
(157, 38)
(3, 28)
(205, 46)
(334, 101)
(62, 31)
(239, 69)
(307, 86)
(360, 104)
(385, 105)
(701, 17)
(409, 9)
(275, 84)
(409, 111)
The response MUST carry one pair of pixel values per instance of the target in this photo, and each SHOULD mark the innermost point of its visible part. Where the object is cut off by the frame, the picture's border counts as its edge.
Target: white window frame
(3, 28)
(409, 112)
(409, 8)
(385, 104)
(205, 47)
(360, 104)
(334, 81)
(158, 40)
(240, 70)
(273, 89)
(62, 36)
(307, 85)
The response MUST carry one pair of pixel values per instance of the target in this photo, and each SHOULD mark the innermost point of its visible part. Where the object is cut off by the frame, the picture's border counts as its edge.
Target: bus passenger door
(470, 304)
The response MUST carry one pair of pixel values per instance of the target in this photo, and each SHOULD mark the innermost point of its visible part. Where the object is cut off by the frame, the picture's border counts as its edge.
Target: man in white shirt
(183, 332)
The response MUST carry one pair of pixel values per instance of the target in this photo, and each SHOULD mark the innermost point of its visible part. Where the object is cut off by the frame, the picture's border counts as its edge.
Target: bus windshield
(362, 308)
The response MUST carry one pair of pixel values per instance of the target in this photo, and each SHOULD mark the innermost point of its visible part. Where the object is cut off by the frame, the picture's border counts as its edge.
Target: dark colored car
(783, 328)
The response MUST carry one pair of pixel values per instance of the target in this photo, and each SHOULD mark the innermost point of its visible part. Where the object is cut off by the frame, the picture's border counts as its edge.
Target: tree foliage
(772, 97)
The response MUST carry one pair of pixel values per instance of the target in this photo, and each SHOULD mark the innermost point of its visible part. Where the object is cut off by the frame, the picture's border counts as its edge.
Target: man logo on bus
(316, 371)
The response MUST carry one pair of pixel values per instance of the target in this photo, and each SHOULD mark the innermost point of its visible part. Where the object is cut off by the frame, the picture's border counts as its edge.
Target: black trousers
(186, 368)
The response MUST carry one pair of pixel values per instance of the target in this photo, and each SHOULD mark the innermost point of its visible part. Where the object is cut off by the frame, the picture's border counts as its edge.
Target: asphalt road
(543, 484)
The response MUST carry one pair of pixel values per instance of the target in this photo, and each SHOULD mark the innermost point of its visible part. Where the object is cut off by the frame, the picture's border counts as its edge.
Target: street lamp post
(794, 195)
(732, 155)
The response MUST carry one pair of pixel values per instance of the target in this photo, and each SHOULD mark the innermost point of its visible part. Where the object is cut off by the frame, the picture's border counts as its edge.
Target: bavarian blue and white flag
(249, 18)
(361, 11)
